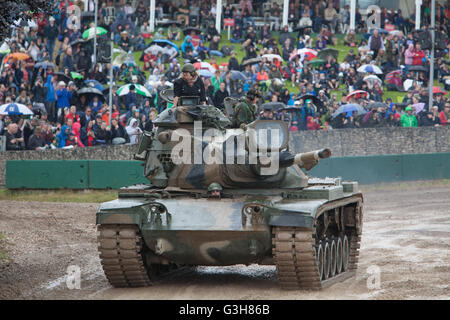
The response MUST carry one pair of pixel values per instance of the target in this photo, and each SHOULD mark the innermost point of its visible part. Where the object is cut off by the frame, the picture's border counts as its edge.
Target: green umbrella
(140, 89)
(323, 54)
(89, 33)
(315, 63)
(76, 75)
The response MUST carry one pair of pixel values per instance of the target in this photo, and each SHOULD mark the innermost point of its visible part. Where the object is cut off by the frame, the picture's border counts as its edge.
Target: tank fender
(286, 218)
(129, 211)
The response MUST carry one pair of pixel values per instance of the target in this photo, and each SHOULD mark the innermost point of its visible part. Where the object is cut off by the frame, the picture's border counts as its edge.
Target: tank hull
(272, 228)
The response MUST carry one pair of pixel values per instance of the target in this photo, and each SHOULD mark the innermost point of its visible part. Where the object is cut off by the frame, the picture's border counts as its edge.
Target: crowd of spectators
(57, 65)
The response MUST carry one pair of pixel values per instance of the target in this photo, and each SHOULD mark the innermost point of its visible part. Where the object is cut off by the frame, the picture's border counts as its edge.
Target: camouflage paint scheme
(180, 224)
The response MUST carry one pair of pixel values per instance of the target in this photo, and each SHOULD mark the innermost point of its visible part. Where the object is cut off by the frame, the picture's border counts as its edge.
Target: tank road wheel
(345, 253)
(326, 260)
(333, 258)
(120, 248)
(338, 255)
(319, 259)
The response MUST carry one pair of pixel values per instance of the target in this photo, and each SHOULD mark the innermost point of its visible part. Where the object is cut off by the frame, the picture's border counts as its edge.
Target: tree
(12, 10)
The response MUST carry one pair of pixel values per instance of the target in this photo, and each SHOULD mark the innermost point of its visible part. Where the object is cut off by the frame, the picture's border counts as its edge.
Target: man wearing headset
(189, 84)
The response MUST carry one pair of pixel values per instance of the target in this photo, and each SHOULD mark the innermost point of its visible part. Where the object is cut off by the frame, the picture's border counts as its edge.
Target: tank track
(305, 262)
(120, 248)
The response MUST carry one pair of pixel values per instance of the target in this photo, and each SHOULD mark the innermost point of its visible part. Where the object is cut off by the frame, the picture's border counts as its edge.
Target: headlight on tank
(252, 214)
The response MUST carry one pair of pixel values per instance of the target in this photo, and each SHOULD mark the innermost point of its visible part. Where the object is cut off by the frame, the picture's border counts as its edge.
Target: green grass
(86, 196)
(3, 254)
(343, 52)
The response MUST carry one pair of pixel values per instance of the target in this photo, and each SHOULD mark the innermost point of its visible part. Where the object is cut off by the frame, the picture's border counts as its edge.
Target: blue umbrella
(349, 108)
(205, 73)
(94, 84)
(237, 75)
(15, 109)
(163, 43)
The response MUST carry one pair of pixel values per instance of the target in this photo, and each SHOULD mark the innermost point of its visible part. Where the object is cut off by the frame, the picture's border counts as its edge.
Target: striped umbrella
(140, 89)
(15, 109)
(90, 33)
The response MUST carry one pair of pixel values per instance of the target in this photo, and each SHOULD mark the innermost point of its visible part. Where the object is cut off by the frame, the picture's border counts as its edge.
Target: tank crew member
(189, 84)
(215, 190)
(244, 111)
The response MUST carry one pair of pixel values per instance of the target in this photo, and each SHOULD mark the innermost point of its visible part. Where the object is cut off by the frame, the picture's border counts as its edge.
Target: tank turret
(193, 148)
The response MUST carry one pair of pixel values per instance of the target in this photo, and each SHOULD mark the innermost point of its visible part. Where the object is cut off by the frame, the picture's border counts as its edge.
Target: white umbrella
(15, 109)
(370, 68)
(371, 79)
(272, 56)
(154, 49)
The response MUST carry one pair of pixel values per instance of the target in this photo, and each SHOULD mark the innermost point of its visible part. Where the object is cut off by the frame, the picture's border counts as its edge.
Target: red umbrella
(357, 94)
(390, 75)
(437, 90)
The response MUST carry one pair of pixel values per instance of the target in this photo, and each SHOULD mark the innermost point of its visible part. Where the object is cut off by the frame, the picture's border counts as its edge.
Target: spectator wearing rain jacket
(63, 97)
(187, 46)
(408, 119)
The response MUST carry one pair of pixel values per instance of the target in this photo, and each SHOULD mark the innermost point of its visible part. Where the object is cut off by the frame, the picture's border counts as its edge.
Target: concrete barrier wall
(347, 142)
(113, 174)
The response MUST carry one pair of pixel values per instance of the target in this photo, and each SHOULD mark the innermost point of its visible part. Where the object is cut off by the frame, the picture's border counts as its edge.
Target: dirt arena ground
(405, 244)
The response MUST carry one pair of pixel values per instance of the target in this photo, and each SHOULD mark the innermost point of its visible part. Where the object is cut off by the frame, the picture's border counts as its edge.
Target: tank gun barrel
(308, 160)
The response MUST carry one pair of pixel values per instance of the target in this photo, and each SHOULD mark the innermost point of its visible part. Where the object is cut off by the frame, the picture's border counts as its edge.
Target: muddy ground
(406, 237)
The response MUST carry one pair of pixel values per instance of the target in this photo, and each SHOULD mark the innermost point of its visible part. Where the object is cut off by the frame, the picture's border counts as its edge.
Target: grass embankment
(85, 196)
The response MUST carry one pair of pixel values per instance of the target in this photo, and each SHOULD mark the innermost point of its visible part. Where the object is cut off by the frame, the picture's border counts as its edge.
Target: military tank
(268, 211)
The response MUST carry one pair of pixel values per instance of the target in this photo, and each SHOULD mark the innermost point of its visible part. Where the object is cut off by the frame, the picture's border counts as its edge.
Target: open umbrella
(272, 105)
(237, 75)
(349, 108)
(205, 66)
(94, 84)
(205, 73)
(76, 75)
(304, 53)
(437, 90)
(371, 79)
(44, 64)
(418, 107)
(391, 74)
(396, 32)
(315, 63)
(369, 68)
(270, 57)
(62, 77)
(418, 69)
(376, 105)
(76, 42)
(251, 61)
(91, 91)
(15, 109)
(17, 56)
(140, 89)
(90, 33)
(164, 43)
(357, 94)
(323, 54)
(187, 31)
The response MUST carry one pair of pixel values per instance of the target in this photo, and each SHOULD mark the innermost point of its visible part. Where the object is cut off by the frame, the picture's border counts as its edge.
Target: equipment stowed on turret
(269, 211)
